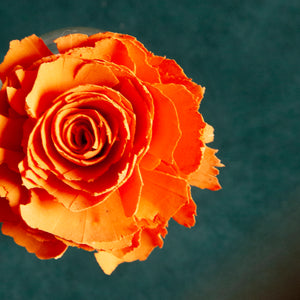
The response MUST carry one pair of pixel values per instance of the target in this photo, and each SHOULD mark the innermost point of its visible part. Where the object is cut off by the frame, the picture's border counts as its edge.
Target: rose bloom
(99, 145)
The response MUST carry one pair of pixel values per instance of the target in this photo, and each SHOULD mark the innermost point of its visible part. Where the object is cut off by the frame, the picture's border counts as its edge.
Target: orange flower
(99, 145)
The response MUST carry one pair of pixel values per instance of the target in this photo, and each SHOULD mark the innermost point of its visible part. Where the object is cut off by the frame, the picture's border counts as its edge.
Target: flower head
(99, 145)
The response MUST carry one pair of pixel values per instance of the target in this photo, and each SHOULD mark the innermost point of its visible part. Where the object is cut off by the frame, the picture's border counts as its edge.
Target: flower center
(81, 134)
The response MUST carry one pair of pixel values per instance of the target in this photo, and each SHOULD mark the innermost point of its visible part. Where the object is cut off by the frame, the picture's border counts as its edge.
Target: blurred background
(245, 244)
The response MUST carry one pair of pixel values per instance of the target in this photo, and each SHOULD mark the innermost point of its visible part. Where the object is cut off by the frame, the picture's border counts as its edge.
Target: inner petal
(81, 133)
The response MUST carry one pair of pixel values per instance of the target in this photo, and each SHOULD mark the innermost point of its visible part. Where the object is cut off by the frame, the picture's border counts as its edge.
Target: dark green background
(245, 244)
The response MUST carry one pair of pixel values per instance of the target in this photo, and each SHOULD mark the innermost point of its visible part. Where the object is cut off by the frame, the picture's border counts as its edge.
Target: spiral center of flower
(80, 136)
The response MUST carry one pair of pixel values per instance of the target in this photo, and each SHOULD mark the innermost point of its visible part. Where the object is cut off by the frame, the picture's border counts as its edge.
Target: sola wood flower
(99, 145)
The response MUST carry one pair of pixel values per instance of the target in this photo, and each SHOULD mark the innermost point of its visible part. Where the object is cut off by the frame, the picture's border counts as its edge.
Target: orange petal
(72, 244)
(114, 51)
(165, 131)
(11, 186)
(139, 55)
(6, 212)
(43, 155)
(11, 158)
(149, 161)
(43, 245)
(11, 133)
(17, 91)
(162, 195)
(191, 123)
(207, 134)
(56, 77)
(108, 49)
(107, 261)
(148, 241)
(64, 43)
(150, 238)
(23, 53)
(4, 106)
(186, 214)
(16, 99)
(73, 200)
(205, 176)
(171, 72)
(130, 192)
(142, 103)
(103, 223)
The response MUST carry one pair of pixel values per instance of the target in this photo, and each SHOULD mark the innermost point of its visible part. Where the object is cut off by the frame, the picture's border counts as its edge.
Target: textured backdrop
(245, 244)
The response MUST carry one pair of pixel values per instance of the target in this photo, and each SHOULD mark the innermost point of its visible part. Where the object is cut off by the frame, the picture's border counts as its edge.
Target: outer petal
(165, 132)
(139, 55)
(107, 261)
(43, 245)
(205, 176)
(17, 91)
(108, 49)
(162, 195)
(23, 53)
(135, 57)
(103, 223)
(149, 239)
(171, 72)
(70, 41)
(186, 214)
(191, 123)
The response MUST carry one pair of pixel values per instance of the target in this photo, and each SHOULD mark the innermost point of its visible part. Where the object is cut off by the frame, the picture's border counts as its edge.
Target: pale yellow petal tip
(107, 261)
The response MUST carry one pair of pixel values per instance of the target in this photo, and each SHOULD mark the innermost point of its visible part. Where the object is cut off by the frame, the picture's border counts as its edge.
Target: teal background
(245, 244)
